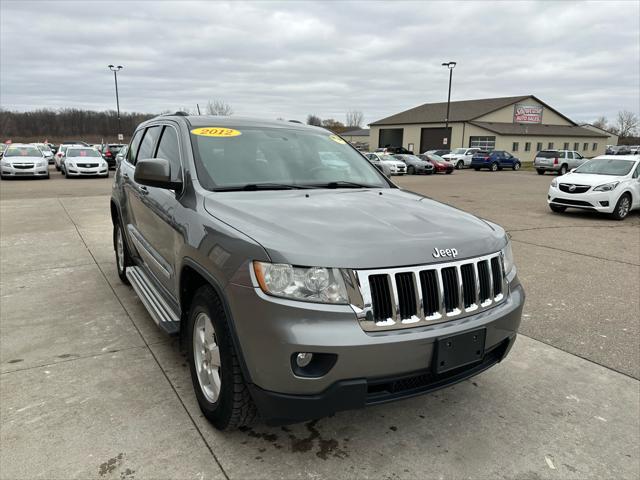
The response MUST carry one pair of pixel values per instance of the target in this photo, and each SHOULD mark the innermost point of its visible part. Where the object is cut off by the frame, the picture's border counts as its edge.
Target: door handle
(125, 175)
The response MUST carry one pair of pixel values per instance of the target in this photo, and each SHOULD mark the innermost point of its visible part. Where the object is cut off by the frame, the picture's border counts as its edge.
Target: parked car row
(33, 159)
(623, 150)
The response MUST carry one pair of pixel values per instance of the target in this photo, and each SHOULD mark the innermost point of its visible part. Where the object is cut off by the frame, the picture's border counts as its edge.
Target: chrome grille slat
(406, 297)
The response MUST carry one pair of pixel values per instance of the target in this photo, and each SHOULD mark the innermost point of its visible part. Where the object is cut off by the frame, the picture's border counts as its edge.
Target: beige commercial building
(520, 125)
(612, 137)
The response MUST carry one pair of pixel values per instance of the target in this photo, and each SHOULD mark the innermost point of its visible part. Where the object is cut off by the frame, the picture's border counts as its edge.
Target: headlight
(42, 163)
(507, 253)
(554, 183)
(607, 187)
(309, 284)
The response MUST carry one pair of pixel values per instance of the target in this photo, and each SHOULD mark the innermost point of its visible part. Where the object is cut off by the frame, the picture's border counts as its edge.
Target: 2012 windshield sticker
(216, 132)
(337, 139)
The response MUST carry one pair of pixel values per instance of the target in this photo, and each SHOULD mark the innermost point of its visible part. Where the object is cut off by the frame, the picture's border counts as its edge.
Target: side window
(636, 174)
(577, 155)
(562, 155)
(149, 142)
(133, 149)
(570, 155)
(168, 149)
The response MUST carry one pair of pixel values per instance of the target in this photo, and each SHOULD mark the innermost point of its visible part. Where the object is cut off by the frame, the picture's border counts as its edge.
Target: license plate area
(457, 351)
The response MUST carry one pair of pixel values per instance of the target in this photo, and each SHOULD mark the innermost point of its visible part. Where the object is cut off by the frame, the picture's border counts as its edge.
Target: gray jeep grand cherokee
(300, 280)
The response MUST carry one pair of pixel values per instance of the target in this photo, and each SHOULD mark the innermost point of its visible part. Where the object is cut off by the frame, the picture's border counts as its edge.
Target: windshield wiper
(342, 184)
(252, 187)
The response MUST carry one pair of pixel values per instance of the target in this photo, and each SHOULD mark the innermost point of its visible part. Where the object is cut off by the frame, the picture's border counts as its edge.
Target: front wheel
(563, 170)
(623, 207)
(494, 167)
(411, 170)
(477, 169)
(449, 172)
(460, 165)
(217, 379)
(540, 171)
(557, 208)
(516, 166)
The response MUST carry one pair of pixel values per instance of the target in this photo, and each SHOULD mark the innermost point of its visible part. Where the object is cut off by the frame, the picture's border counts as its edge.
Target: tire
(540, 171)
(460, 165)
(563, 169)
(449, 172)
(57, 167)
(516, 166)
(477, 169)
(557, 208)
(227, 404)
(411, 170)
(623, 207)
(123, 260)
(494, 167)
(106, 175)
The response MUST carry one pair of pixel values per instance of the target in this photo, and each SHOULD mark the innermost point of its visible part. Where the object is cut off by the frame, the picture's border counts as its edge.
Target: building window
(566, 146)
(514, 147)
(576, 146)
(595, 147)
(585, 146)
(527, 146)
(483, 143)
(539, 146)
(550, 147)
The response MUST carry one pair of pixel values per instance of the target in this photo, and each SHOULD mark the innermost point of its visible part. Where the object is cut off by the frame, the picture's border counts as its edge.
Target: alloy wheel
(119, 249)
(206, 353)
(624, 207)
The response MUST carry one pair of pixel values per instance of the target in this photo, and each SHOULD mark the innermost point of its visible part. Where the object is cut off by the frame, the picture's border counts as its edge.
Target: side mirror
(155, 172)
(572, 170)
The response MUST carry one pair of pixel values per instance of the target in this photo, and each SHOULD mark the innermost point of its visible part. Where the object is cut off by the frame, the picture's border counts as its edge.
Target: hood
(348, 228)
(393, 162)
(22, 159)
(588, 179)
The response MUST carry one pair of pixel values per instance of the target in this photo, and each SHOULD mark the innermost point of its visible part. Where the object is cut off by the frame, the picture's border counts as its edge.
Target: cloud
(290, 59)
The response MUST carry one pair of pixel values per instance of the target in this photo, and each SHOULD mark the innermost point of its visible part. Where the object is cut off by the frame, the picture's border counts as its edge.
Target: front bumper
(604, 202)
(82, 172)
(272, 331)
(10, 171)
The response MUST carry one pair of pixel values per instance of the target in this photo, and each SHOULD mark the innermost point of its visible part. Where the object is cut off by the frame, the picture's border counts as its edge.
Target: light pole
(450, 66)
(115, 71)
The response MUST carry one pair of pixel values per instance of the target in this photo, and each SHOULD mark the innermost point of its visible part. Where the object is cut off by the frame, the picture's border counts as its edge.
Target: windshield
(23, 152)
(548, 154)
(435, 158)
(606, 167)
(388, 158)
(227, 158)
(460, 151)
(82, 152)
(44, 148)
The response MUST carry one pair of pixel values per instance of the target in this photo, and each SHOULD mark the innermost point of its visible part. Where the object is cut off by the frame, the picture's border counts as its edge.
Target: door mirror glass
(155, 172)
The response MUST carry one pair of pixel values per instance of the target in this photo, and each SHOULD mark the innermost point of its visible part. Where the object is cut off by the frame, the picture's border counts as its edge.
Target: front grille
(425, 294)
(24, 166)
(87, 165)
(566, 187)
(577, 203)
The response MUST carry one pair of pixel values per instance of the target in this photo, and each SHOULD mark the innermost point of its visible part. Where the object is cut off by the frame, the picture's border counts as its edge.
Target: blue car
(495, 160)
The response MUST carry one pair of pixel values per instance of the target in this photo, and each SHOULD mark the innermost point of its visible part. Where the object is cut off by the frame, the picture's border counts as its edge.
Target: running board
(161, 313)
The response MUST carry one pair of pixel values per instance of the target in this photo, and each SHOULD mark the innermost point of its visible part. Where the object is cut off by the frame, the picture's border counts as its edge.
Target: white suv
(608, 184)
(461, 157)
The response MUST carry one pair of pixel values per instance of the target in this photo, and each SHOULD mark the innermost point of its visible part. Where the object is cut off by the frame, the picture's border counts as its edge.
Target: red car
(439, 164)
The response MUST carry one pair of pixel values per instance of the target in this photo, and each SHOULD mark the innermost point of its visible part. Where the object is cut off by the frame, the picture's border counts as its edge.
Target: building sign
(527, 114)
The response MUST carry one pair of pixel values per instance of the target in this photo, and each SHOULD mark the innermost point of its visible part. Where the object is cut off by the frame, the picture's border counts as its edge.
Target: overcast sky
(290, 59)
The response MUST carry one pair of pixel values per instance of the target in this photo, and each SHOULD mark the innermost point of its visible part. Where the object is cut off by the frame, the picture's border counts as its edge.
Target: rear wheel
(217, 379)
(494, 167)
(557, 208)
(516, 166)
(563, 170)
(123, 260)
(540, 171)
(460, 165)
(622, 207)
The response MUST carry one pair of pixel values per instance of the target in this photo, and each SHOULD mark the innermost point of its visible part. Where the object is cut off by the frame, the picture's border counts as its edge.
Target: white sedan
(608, 184)
(80, 161)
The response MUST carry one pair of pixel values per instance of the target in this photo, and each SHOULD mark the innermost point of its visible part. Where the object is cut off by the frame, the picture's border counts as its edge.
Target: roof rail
(180, 113)
(295, 121)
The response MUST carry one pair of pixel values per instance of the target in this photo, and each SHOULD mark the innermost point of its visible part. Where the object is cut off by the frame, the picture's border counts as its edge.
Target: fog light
(604, 203)
(303, 359)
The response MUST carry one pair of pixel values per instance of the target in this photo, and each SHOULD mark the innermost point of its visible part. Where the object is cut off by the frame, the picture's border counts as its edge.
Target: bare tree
(600, 122)
(333, 125)
(354, 118)
(626, 123)
(219, 107)
(314, 120)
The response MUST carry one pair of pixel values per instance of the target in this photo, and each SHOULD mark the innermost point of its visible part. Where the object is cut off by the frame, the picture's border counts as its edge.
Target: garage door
(433, 139)
(390, 137)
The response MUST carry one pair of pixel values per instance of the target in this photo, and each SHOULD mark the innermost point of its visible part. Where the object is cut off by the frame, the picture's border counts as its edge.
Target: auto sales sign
(527, 114)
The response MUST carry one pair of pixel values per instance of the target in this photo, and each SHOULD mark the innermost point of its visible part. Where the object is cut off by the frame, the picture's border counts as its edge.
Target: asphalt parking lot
(90, 388)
